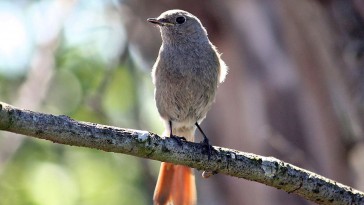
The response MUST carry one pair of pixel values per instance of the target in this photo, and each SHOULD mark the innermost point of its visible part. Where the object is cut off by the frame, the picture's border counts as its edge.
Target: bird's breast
(186, 82)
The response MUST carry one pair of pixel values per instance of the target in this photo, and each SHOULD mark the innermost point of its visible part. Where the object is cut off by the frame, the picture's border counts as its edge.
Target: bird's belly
(188, 103)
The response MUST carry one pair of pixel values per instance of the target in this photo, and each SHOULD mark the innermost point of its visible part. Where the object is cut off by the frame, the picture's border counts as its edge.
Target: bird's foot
(178, 139)
(207, 146)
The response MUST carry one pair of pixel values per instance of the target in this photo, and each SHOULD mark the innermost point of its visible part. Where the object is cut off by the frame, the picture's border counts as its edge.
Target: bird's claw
(178, 139)
(208, 147)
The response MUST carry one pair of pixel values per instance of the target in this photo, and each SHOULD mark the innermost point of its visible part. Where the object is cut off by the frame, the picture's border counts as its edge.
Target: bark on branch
(267, 170)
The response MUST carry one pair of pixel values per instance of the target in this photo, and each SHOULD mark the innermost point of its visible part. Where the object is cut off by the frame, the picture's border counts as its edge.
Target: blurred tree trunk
(34, 89)
(294, 90)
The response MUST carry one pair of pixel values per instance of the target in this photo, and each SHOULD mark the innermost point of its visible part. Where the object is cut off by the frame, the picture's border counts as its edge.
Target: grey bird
(186, 75)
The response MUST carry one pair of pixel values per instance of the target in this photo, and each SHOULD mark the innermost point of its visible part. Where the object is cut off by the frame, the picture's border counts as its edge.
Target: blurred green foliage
(50, 174)
(86, 87)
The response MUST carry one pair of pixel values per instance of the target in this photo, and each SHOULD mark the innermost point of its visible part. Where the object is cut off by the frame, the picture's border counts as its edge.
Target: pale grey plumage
(187, 71)
(186, 75)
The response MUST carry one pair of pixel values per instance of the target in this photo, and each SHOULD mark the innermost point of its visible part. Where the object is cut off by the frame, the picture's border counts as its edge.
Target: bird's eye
(180, 19)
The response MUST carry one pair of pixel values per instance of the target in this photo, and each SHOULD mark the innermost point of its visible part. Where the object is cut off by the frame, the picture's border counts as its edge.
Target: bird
(186, 75)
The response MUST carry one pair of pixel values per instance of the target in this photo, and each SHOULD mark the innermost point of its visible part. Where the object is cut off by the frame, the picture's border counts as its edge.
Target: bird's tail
(176, 183)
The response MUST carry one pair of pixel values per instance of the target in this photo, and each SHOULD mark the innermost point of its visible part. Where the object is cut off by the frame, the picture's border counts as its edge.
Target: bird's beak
(160, 22)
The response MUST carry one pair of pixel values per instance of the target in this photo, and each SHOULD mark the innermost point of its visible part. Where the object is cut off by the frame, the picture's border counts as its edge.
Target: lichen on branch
(267, 170)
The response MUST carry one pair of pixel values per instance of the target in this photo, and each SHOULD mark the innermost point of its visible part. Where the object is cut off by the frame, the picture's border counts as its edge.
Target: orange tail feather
(175, 185)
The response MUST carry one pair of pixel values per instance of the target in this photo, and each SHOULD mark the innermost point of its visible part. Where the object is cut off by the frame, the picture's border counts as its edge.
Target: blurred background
(295, 91)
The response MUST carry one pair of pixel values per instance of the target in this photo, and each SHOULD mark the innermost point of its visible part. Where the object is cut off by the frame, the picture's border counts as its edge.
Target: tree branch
(266, 170)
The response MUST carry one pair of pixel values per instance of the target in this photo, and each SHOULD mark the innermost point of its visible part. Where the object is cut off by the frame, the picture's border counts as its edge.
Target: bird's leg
(170, 128)
(177, 138)
(205, 141)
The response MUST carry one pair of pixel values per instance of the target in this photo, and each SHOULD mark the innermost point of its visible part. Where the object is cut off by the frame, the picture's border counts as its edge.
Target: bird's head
(178, 25)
